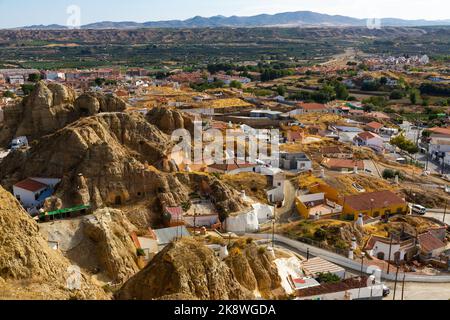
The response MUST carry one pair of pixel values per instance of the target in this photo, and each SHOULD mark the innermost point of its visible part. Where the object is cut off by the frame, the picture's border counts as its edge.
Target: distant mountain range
(287, 19)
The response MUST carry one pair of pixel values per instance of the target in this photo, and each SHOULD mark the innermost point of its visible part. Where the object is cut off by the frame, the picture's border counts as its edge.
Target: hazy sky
(15, 13)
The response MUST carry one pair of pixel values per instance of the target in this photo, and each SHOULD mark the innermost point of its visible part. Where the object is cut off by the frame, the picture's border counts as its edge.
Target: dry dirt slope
(29, 269)
(189, 270)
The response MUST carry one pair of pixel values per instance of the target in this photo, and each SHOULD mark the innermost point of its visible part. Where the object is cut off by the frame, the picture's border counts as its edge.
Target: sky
(15, 13)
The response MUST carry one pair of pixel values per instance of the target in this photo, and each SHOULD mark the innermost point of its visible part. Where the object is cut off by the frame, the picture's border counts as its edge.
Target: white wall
(27, 198)
(247, 222)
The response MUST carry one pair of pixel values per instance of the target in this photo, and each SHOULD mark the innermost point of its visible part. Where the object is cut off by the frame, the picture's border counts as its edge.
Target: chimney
(354, 243)
(322, 173)
(360, 221)
(223, 252)
(271, 253)
(351, 255)
(355, 169)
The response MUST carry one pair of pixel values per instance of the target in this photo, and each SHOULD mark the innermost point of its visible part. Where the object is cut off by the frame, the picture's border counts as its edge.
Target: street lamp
(361, 274)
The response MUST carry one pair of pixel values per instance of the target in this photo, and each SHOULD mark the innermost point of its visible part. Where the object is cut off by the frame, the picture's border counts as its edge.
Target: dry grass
(253, 184)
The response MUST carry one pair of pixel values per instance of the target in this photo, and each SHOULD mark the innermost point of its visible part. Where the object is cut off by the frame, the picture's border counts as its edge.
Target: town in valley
(344, 194)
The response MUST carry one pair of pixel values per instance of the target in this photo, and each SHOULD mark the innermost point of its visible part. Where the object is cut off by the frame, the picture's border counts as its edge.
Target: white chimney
(351, 254)
(271, 253)
(322, 173)
(396, 179)
(360, 221)
(354, 243)
(355, 170)
(223, 252)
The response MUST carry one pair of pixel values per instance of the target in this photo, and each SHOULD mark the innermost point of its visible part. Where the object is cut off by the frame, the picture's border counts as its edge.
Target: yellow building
(374, 204)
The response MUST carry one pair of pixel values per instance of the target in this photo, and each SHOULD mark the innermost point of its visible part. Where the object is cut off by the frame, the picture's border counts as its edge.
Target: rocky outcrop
(89, 104)
(110, 230)
(111, 159)
(104, 159)
(27, 260)
(254, 269)
(51, 107)
(185, 269)
(169, 120)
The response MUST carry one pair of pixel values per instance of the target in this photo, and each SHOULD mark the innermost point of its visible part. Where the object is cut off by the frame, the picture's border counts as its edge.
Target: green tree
(34, 77)
(27, 88)
(396, 95)
(404, 144)
(8, 94)
(281, 90)
(328, 278)
(235, 84)
(341, 91)
(414, 96)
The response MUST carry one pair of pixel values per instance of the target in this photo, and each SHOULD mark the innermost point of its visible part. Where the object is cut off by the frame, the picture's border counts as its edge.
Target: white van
(418, 209)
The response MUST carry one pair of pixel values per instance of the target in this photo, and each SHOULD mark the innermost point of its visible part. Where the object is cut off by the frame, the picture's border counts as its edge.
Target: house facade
(374, 204)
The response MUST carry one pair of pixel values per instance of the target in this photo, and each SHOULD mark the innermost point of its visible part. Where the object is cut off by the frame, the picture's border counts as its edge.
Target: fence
(352, 264)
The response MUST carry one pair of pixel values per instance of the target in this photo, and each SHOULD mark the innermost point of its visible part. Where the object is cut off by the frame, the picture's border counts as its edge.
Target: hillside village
(359, 175)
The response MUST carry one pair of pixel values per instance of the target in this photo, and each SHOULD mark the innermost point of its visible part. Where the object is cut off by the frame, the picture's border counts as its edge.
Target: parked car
(386, 291)
(418, 209)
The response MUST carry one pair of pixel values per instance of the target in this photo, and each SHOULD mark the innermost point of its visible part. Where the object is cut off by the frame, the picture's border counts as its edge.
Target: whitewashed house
(32, 192)
(369, 139)
(249, 222)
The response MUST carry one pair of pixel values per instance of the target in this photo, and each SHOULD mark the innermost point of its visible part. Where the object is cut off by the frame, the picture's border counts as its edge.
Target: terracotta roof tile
(429, 242)
(381, 199)
(30, 185)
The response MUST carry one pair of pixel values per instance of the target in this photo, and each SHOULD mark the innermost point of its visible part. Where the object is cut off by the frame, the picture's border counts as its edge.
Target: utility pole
(390, 252)
(273, 233)
(361, 274)
(403, 286)
(396, 280)
(445, 210)
(195, 222)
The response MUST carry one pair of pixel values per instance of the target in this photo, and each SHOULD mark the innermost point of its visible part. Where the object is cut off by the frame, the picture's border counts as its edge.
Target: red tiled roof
(366, 135)
(374, 239)
(231, 166)
(174, 211)
(375, 125)
(30, 185)
(381, 199)
(328, 150)
(429, 242)
(444, 131)
(379, 115)
(343, 163)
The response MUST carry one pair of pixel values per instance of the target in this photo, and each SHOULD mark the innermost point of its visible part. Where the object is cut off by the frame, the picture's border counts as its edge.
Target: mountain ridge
(298, 18)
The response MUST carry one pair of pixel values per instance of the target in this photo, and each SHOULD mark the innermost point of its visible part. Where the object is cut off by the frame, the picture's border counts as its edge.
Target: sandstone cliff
(184, 269)
(254, 269)
(113, 159)
(51, 107)
(29, 268)
(110, 230)
(169, 120)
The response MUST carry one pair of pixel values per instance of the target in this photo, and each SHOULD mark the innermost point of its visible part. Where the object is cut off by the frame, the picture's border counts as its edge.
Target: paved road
(285, 212)
(439, 215)
(420, 291)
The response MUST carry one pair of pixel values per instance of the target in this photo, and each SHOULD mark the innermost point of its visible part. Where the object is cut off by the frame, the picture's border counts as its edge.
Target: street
(420, 291)
(439, 214)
